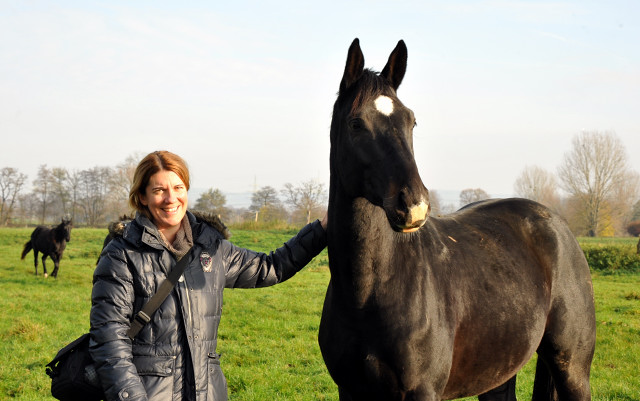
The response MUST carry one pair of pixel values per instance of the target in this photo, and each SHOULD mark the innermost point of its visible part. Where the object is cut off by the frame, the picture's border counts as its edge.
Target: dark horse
(425, 308)
(51, 242)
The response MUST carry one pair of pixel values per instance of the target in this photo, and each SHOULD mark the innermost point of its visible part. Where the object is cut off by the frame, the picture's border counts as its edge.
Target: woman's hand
(324, 221)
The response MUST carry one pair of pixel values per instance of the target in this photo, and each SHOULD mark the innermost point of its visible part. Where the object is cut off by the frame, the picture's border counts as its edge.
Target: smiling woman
(159, 191)
(166, 198)
(174, 355)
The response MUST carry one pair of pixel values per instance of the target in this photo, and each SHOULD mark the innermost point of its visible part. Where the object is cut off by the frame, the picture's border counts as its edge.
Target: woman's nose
(171, 196)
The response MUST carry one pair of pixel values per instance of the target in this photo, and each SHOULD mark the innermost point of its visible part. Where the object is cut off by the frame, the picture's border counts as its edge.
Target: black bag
(72, 371)
(73, 375)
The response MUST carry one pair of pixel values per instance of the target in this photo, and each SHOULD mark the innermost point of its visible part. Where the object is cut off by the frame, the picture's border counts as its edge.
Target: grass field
(268, 337)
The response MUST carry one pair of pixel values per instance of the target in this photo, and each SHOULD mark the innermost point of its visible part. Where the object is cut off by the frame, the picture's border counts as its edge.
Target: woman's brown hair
(152, 163)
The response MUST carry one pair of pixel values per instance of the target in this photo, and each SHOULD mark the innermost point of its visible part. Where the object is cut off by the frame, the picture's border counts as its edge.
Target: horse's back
(527, 222)
(38, 231)
(522, 234)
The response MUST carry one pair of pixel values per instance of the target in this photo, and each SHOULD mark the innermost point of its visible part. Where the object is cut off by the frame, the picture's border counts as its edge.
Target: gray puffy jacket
(174, 356)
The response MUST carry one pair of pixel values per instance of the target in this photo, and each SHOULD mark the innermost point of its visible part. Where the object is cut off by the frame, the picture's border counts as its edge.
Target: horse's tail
(543, 387)
(27, 248)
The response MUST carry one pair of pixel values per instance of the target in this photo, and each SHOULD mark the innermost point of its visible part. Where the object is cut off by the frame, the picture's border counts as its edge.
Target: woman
(174, 355)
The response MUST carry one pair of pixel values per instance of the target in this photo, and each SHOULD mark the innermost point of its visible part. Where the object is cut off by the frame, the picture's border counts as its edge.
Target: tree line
(294, 204)
(594, 189)
(99, 195)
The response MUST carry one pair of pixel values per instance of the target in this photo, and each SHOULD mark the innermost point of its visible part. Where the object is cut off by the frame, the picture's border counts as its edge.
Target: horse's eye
(356, 124)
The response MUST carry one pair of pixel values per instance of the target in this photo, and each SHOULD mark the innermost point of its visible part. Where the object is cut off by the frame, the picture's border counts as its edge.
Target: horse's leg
(343, 395)
(505, 392)
(543, 387)
(35, 259)
(566, 376)
(44, 266)
(566, 352)
(56, 264)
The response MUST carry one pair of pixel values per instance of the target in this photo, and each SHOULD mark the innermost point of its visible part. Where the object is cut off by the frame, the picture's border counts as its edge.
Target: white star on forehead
(384, 105)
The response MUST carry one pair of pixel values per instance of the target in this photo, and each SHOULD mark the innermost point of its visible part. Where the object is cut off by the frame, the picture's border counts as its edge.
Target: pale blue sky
(243, 90)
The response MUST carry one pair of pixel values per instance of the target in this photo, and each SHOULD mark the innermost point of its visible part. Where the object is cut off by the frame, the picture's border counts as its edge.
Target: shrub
(612, 258)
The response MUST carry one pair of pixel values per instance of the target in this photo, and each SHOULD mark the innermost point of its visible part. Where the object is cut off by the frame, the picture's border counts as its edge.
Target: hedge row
(612, 259)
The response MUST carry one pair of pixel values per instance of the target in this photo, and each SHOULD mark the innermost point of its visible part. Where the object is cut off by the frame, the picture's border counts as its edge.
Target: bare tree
(93, 190)
(635, 211)
(308, 197)
(59, 189)
(73, 188)
(591, 171)
(265, 203)
(434, 202)
(122, 179)
(470, 195)
(619, 204)
(42, 190)
(537, 184)
(212, 201)
(11, 183)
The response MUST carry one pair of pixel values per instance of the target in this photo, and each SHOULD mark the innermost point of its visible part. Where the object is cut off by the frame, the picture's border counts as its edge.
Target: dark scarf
(183, 241)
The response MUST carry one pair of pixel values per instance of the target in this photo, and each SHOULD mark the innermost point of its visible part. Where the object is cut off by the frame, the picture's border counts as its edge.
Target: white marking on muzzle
(384, 105)
(418, 212)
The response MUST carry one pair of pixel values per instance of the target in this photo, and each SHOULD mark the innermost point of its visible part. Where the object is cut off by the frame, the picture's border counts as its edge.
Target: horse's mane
(62, 229)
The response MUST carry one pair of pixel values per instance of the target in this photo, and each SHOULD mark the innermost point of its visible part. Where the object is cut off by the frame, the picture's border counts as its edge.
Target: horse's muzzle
(415, 217)
(409, 218)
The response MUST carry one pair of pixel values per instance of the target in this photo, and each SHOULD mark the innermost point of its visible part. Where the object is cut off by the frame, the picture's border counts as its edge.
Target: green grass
(268, 337)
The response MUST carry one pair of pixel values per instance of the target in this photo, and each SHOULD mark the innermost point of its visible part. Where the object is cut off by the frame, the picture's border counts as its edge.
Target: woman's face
(166, 198)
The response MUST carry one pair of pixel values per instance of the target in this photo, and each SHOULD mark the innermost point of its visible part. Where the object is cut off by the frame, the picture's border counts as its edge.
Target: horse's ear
(396, 65)
(355, 65)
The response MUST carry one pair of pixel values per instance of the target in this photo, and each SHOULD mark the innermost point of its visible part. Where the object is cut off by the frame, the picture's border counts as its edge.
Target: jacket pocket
(156, 373)
(217, 381)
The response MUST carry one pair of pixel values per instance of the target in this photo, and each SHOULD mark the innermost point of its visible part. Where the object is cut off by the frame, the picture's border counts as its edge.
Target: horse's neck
(358, 223)
(59, 234)
(360, 247)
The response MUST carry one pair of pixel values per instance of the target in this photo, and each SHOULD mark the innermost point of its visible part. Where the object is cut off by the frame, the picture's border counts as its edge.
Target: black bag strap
(144, 315)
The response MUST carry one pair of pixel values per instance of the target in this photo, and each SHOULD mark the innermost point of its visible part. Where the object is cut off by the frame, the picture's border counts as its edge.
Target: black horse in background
(51, 242)
(424, 308)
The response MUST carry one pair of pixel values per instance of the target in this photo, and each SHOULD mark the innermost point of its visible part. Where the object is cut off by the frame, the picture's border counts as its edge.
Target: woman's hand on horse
(324, 221)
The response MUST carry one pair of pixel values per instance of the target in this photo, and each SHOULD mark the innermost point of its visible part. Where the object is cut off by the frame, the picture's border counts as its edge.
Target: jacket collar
(142, 230)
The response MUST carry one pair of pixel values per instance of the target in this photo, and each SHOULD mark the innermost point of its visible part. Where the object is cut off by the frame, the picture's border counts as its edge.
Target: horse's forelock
(369, 86)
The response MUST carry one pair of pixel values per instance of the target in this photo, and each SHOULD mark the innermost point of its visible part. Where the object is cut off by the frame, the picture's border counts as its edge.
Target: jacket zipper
(188, 298)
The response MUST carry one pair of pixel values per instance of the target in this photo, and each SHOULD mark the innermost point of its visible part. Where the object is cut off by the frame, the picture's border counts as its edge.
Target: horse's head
(65, 227)
(372, 141)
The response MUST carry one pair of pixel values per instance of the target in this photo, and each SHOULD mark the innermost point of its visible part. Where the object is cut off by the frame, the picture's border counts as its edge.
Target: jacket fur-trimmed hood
(214, 221)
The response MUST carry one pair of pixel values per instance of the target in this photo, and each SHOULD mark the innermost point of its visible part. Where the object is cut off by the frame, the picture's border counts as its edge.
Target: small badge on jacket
(206, 262)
